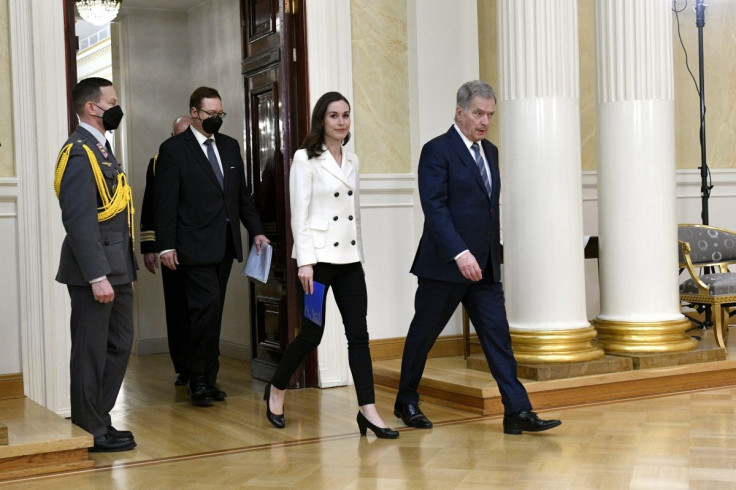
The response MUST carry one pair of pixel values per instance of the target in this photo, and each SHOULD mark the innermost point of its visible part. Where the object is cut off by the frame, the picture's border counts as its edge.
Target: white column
(40, 128)
(640, 308)
(538, 110)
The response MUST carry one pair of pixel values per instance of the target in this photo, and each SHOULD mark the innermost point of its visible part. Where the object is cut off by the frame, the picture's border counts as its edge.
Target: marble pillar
(640, 308)
(539, 117)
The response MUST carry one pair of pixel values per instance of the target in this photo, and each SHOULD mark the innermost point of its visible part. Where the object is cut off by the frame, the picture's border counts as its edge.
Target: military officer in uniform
(97, 263)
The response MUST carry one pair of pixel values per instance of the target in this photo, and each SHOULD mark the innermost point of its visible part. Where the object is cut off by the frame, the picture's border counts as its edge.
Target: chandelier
(98, 12)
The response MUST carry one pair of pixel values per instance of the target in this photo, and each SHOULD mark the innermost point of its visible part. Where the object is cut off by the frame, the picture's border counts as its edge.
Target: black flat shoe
(380, 432)
(527, 421)
(277, 420)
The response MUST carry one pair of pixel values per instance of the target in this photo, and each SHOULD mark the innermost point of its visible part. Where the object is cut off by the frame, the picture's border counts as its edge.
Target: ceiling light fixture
(98, 12)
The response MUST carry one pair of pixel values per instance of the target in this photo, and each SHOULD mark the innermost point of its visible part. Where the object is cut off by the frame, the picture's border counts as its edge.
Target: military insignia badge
(103, 150)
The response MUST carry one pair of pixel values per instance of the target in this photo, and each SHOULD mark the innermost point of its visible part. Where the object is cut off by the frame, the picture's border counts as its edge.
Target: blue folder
(313, 303)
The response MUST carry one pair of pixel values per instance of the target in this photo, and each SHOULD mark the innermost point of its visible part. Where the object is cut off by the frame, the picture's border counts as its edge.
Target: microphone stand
(704, 187)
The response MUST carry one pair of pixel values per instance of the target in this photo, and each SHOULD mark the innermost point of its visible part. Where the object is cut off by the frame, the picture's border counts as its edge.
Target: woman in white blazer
(325, 222)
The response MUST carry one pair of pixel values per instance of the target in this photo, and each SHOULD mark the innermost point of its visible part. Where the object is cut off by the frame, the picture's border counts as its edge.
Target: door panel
(272, 36)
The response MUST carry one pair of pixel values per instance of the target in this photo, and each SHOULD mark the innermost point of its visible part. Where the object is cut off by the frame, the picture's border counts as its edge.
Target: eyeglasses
(213, 114)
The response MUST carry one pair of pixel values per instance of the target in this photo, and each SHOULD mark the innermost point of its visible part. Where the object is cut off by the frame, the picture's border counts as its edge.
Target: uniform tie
(482, 168)
(213, 161)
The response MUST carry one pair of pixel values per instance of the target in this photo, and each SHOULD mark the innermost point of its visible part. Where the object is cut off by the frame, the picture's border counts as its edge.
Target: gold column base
(621, 337)
(551, 346)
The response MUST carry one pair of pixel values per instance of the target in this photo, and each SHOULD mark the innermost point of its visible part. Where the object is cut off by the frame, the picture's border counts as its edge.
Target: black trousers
(102, 335)
(177, 315)
(434, 304)
(348, 285)
(205, 287)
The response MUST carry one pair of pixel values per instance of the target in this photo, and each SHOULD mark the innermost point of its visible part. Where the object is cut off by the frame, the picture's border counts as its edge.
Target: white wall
(437, 68)
(154, 89)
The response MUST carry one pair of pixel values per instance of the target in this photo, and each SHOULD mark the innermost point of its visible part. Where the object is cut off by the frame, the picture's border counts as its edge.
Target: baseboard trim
(236, 351)
(11, 386)
(152, 346)
(446, 346)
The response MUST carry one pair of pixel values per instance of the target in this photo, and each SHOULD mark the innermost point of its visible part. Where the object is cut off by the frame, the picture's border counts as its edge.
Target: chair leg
(726, 321)
(718, 321)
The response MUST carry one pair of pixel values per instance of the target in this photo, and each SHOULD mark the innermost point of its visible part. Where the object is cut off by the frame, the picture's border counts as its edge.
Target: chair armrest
(702, 287)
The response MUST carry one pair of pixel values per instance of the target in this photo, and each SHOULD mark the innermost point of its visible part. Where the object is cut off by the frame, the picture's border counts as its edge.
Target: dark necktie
(213, 160)
(110, 156)
(481, 167)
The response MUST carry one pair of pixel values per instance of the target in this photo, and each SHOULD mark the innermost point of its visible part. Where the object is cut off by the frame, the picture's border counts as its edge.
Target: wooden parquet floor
(671, 442)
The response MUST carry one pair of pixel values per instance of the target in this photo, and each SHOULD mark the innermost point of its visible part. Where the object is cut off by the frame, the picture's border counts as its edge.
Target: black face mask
(211, 125)
(111, 117)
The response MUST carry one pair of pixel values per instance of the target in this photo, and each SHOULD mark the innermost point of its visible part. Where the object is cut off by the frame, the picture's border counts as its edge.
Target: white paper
(259, 265)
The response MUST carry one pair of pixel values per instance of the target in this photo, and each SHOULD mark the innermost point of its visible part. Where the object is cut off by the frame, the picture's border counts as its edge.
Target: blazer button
(106, 243)
(337, 243)
(350, 193)
(350, 217)
(337, 194)
(352, 242)
(334, 219)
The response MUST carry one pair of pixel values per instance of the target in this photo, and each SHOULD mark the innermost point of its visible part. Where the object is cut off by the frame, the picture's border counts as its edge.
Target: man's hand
(169, 259)
(306, 277)
(469, 267)
(102, 291)
(260, 240)
(151, 262)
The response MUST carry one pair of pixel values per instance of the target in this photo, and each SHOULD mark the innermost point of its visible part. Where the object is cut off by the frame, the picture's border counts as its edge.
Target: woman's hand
(306, 277)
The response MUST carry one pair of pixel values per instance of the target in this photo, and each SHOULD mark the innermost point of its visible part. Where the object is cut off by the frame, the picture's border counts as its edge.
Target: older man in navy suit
(458, 259)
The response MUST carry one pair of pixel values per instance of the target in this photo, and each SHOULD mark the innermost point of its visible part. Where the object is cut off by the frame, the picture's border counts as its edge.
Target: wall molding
(688, 183)
(8, 197)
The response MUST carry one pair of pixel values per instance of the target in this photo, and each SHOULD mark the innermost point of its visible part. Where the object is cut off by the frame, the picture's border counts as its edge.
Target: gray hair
(474, 88)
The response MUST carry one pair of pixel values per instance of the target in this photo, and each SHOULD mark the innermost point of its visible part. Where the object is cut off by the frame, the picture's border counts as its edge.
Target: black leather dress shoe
(182, 379)
(412, 416)
(199, 392)
(217, 395)
(108, 444)
(121, 435)
(528, 421)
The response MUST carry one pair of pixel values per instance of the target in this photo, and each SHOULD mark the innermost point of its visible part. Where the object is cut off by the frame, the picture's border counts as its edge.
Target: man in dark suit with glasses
(200, 199)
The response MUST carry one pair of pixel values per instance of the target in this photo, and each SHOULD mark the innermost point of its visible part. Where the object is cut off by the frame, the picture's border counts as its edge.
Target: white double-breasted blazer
(325, 209)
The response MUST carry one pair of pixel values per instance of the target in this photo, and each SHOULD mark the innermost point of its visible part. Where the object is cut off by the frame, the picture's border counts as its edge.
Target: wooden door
(276, 115)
